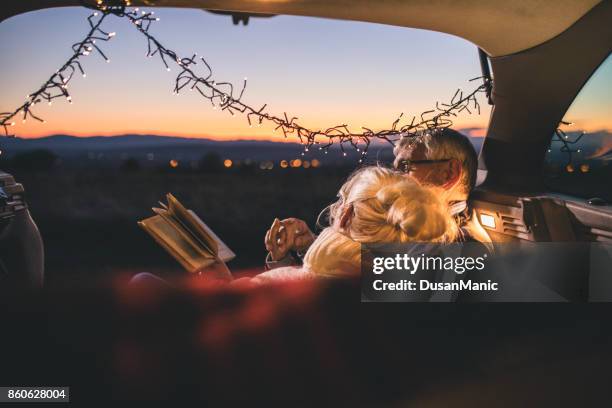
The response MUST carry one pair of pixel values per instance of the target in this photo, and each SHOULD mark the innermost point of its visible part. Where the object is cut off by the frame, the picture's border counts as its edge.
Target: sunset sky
(325, 72)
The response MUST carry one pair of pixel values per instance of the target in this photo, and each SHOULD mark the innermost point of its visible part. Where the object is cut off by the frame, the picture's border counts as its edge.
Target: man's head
(441, 157)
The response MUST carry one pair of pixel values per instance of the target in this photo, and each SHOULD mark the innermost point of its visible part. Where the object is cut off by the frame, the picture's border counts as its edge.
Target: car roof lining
(499, 27)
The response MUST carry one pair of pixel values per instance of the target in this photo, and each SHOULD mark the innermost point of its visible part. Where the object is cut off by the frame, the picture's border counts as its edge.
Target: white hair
(445, 143)
(386, 206)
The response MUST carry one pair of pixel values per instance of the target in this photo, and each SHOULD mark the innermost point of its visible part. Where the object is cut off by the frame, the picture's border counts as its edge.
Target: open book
(185, 236)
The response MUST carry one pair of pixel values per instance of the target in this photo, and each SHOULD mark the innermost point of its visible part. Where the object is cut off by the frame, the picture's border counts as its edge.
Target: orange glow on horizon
(63, 121)
(83, 119)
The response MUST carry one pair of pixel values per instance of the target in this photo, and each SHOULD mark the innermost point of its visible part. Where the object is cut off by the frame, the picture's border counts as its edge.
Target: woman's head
(375, 205)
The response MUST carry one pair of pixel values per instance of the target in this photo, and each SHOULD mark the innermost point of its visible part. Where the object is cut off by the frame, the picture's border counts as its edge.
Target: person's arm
(284, 236)
(216, 271)
(284, 274)
(287, 260)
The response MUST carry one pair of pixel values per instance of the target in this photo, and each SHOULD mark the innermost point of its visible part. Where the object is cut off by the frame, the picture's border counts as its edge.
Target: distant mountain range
(155, 149)
(596, 144)
(63, 143)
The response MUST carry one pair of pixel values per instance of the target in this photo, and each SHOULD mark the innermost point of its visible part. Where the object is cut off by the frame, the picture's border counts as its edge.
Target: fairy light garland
(57, 85)
(225, 97)
(562, 137)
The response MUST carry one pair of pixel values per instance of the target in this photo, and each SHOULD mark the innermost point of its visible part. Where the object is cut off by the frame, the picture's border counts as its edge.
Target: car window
(579, 158)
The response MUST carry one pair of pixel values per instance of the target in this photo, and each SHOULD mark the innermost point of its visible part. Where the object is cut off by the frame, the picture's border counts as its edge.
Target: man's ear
(454, 171)
(346, 216)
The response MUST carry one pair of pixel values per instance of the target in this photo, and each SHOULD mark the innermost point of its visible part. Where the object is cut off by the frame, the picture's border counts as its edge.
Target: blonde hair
(386, 206)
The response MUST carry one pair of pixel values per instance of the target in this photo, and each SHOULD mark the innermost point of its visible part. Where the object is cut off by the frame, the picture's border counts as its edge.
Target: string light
(228, 98)
(57, 85)
(566, 144)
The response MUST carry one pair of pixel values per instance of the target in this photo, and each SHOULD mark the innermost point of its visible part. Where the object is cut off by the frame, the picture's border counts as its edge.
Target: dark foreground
(303, 345)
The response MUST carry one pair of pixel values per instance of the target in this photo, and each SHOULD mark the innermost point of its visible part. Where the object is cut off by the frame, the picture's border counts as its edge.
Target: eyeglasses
(406, 166)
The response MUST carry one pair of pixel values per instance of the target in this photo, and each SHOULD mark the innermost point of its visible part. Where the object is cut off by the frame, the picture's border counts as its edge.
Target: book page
(197, 229)
(225, 253)
(184, 251)
(205, 249)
